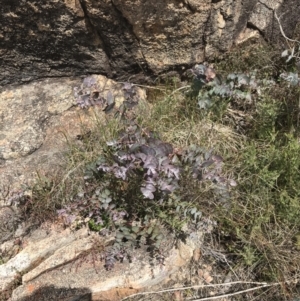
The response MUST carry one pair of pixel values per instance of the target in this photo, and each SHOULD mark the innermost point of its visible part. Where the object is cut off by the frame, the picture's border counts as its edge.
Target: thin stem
(281, 29)
(261, 285)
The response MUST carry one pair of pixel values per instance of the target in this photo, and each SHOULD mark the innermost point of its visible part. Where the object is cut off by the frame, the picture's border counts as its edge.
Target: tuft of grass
(53, 191)
(251, 56)
(179, 121)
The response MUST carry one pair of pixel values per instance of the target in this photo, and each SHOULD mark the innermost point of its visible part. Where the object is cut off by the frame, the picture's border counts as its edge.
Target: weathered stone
(67, 264)
(262, 13)
(247, 34)
(25, 113)
(9, 218)
(37, 118)
(42, 39)
(120, 38)
(263, 18)
(34, 254)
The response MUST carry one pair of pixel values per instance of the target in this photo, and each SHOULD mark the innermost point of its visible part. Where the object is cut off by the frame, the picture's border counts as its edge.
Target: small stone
(178, 296)
(208, 279)
(200, 273)
(196, 254)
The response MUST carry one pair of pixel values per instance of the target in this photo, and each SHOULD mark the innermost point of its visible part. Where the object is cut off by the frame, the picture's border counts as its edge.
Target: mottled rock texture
(58, 264)
(121, 38)
(36, 121)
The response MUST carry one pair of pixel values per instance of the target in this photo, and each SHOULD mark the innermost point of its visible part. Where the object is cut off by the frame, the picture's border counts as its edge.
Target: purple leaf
(217, 158)
(147, 150)
(147, 194)
(150, 180)
(141, 156)
(148, 190)
(165, 148)
(167, 187)
(120, 172)
(173, 170)
(151, 170)
(61, 211)
(163, 163)
(104, 167)
(207, 163)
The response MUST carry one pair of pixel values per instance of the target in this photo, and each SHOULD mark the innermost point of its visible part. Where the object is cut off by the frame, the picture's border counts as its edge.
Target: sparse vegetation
(124, 174)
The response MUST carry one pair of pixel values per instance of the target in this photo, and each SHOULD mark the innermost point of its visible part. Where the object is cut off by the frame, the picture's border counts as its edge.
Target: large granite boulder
(120, 38)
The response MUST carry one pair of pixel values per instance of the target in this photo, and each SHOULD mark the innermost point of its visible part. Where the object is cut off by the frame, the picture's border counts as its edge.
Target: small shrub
(138, 180)
(227, 98)
(211, 88)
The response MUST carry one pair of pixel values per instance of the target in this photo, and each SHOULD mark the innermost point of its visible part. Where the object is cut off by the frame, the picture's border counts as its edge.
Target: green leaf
(135, 229)
(119, 235)
(159, 237)
(149, 230)
(204, 103)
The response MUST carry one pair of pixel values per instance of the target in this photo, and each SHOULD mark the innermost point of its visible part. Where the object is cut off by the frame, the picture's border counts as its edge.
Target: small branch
(71, 171)
(261, 285)
(149, 87)
(281, 29)
(236, 293)
(179, 89)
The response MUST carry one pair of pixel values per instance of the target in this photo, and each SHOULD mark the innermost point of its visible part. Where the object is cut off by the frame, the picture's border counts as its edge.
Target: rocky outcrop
(58, 264)
(120, 38)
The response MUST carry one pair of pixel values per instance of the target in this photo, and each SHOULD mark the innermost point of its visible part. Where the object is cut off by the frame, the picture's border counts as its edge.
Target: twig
(221, 257)
(179, 89)
(236, 293)
(261, 284)
(149, 87)
(281, 29)
(71, 171)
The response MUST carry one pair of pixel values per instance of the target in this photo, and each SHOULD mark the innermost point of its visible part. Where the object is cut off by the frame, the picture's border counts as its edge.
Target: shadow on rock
(49, 293)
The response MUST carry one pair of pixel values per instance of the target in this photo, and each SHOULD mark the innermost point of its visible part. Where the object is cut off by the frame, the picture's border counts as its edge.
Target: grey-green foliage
(209, 88)
(291, 77)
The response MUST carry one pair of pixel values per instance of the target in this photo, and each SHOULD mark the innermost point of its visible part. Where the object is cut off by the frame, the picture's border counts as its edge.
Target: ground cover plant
(139, 178)
(224, 145)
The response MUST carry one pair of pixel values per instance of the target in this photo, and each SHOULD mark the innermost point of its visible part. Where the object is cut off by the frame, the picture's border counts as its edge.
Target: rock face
(119, 38)
(59, 264)
(35, 120)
